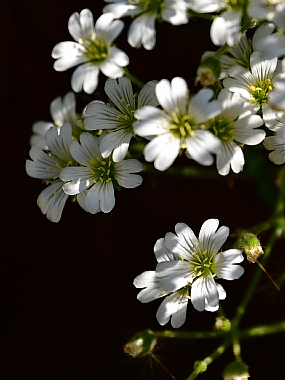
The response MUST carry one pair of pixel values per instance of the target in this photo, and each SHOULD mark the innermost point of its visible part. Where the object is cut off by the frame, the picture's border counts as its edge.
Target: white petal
(174, 305)
(78, 80)
(176, 274)
(204, 288)
(163, 150)
(162, 253)
(51, 201)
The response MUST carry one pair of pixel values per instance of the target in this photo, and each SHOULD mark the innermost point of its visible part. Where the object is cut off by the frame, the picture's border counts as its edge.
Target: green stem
(186, 335)
(201, 15)
(263, 330)
(132, 78)
(201, 366)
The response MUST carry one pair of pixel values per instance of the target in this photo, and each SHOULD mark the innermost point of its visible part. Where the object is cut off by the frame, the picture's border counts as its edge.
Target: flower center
(235, 4)
(102, 169)
(202, 263)
(223, 128)
(180, 125)
(260, 91)
(150, 6)
(96, 50)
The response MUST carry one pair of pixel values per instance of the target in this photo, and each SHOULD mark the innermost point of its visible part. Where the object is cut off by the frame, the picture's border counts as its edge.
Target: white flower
(271, 44)
(93, 50)
(200, 262)
(47, 166)
(179, 125)
(142, 29)
(271, 10)
(61, 110)
(206, 6)
(175, 304)
(118, 115)
(236, 124)
(277, 144)
(187, 266)
(226, 27)
(255, 86)
(240, 54)
(97, 174)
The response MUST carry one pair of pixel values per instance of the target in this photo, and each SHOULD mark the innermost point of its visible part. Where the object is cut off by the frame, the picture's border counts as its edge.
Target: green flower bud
(141, 344)
(209, 71)
(251, 246)
(236, 371)
(222, 325)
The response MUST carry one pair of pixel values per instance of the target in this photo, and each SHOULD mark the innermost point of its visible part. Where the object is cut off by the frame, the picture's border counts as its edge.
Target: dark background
(67, 300)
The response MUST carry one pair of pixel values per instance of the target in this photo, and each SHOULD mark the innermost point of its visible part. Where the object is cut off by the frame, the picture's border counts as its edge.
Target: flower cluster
(187, 268)
(240, 102)
(250, 76)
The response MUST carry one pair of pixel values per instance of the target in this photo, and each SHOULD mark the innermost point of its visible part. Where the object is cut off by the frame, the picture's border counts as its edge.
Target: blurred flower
(47, 166)
(61, 110)
(277, 144)
(142, 29)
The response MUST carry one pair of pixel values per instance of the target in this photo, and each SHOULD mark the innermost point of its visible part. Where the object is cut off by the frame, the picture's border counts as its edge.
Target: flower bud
(222, 325)
(141, 344)
(251, 246)
(209, 71)
(236, 371)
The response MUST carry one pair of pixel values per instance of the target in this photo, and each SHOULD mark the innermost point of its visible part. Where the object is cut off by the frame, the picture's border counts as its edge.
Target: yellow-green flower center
(235, 4)
(202, 263)
(181, 125)
(103, 170)
(222, 127)
(95, 50)
(260, 90)
(150, 6)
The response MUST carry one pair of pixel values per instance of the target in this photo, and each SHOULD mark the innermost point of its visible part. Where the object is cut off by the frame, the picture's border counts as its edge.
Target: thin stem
(132, 78)
(201, 366)
(268, 275)
(201, 15)
(186, 334)
(263, 330)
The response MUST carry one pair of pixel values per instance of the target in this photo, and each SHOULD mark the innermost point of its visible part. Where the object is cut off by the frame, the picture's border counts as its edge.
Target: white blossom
(181, 124)
(270, 10)
(186, 270)
(234, 126)
(117, 117)
(277, 144)
(255, 85)
(61, 110)
(200, 262)
(98, 175)
(142, 30)
(47, 166)
(93, 50)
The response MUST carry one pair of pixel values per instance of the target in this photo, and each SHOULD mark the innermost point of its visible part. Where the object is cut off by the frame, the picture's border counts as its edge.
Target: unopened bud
(222, 325)
(141, 344)
(251, 246)
(209, 71)
(236, 371)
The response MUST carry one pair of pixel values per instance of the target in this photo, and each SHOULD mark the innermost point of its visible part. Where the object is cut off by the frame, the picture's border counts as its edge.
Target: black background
(67, 300)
